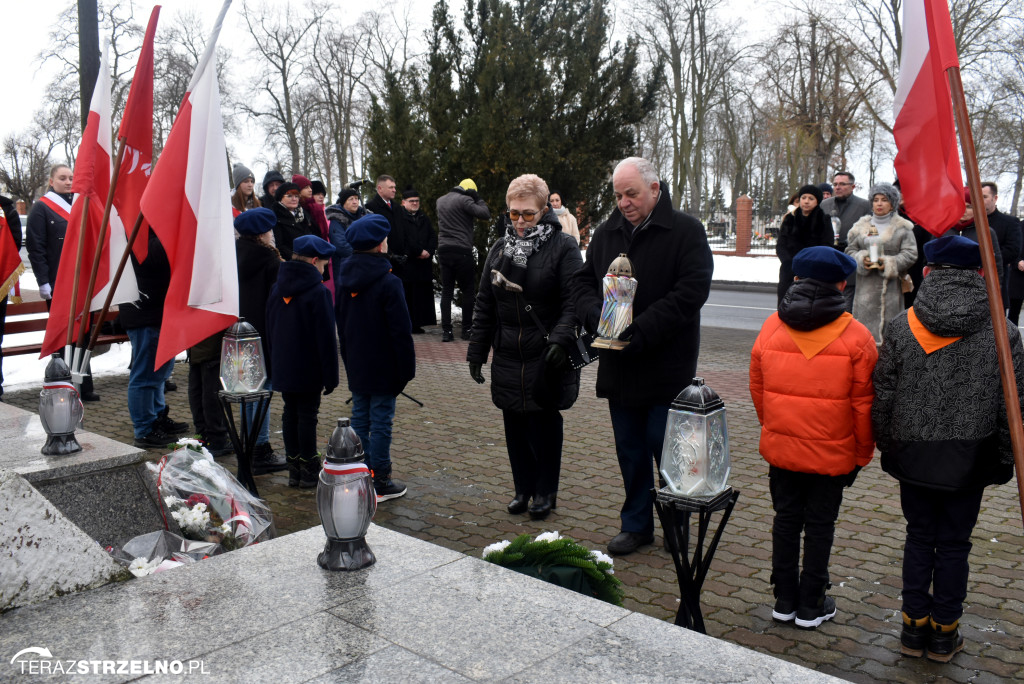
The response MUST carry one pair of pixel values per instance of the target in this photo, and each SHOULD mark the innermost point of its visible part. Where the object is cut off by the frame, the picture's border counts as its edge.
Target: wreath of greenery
(524, 551)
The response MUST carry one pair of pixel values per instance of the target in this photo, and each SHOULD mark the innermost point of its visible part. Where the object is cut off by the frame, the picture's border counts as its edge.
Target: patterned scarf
(510, 271)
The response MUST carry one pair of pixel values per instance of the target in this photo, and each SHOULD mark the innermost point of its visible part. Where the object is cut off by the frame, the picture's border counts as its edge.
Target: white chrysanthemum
(603, 558)
(203, 467)
(496, 546)
(171, 501)
(548, 536)
(140, 567)
(179, 516)
(193, 444)
(225, 528)
(199, 506)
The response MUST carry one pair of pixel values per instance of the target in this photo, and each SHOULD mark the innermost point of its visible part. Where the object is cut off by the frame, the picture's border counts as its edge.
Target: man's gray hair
(643, 167)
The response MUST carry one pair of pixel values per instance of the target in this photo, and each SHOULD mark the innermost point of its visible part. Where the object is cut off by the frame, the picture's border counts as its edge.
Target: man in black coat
(383, 202)
(1008, 232)
(672, 265)
(303, 352)
(417, 273)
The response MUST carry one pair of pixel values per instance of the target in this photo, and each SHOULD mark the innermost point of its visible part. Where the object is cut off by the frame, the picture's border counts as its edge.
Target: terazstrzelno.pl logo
(36, 660)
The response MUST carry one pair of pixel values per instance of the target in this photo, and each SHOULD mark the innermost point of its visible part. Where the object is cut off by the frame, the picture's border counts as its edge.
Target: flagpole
(74, 284)
(104, 226)
(988, 262)
(114, 283)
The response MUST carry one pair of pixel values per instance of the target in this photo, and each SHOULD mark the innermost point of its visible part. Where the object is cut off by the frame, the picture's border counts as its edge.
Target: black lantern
(346, 501)
(60, 409)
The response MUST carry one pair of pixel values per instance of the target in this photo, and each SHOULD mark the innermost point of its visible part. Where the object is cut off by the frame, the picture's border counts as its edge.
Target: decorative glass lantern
(60, 409)
(242, 367)
(837, 226)
(695, 456)
(346, 501)
(617, 311)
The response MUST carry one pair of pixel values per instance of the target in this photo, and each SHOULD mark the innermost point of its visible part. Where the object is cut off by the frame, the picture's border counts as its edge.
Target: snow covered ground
(22, 372)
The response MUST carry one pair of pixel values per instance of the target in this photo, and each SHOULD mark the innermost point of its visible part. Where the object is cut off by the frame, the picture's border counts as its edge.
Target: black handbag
(580, 352)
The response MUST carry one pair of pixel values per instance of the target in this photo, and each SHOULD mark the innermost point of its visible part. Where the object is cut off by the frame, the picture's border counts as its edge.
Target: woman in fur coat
(879, 292)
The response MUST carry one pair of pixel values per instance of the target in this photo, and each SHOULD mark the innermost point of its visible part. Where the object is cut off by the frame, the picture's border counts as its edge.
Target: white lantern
(242, 367)
(695, 456)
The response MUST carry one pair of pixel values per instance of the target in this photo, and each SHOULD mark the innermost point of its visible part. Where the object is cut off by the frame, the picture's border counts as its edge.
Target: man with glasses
(848, 208)
(672, 264)
(455, 214)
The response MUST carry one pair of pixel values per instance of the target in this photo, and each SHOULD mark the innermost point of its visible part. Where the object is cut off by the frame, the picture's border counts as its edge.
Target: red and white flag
(928, 160)
(189, 209)
(137, 135)
(92, 180)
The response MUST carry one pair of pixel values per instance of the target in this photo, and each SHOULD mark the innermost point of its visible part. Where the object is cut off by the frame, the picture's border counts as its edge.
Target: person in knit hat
(810, 379)
(805, 226)
(317, 217)
(883, 245)
(966, 227)
(270, 184)
(244, 197)
(292, 221)
(319, 192)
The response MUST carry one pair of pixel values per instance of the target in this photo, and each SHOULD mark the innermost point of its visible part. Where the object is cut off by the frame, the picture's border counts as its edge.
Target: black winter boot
(945, 642)
(915, 635)
(294, 470)
(310, 475)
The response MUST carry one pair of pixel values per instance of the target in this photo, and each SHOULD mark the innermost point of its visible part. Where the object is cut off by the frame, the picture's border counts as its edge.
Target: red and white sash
(57, 203)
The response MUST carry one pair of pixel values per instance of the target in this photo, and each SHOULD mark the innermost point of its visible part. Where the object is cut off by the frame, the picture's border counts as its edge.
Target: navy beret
(367, 232)
(823, 263)
(255, 221)
(953, 250)
(312, 246)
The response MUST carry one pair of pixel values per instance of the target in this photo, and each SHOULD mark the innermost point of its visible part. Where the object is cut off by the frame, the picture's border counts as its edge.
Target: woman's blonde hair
(528, 186)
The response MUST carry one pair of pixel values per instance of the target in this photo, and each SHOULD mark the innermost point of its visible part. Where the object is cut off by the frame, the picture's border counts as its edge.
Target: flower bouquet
(207, 502)
(162, 550)
(561, 561)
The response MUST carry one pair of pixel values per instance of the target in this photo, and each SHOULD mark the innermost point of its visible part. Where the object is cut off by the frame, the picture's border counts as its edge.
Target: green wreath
(563, 562)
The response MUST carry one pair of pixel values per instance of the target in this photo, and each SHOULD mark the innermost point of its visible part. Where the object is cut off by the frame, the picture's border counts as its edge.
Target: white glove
(45, 291)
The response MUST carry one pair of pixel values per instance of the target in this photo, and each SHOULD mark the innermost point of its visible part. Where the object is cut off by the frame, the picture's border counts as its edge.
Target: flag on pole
(189, 209)
(927, 159)
(92, 179)
(137, 134)
(11, 267)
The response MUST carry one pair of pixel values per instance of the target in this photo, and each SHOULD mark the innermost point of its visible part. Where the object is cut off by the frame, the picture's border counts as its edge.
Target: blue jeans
(250, 415)
(372, 415)
(639, 433)
(145, 385)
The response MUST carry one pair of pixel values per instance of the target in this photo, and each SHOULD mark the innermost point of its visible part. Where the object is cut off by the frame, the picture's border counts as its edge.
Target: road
(738, 310)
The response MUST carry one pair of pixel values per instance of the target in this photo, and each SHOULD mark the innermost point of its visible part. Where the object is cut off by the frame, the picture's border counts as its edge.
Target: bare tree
(25, 165)
(280, 35)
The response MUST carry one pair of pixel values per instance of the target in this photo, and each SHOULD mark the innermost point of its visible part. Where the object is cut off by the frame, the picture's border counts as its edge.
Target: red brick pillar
(744, 224)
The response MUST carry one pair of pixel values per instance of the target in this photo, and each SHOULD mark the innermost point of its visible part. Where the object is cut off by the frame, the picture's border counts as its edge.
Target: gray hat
(239, 172)
(889, 191)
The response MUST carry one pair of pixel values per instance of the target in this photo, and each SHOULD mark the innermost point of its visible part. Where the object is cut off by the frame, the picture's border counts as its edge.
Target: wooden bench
(17, 322)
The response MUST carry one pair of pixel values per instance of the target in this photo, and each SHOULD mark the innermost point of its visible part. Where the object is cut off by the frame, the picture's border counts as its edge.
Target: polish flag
(137, 135)
(92, 180)
(928, 160)
(189, 209)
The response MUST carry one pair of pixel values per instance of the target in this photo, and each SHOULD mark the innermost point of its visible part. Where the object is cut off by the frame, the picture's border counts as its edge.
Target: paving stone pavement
(451, 454)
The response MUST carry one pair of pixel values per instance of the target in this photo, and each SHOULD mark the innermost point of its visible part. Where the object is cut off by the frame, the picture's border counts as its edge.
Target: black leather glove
(555, 357)
(328, 390)
(475, 372)
(852, 476)
(634, 336)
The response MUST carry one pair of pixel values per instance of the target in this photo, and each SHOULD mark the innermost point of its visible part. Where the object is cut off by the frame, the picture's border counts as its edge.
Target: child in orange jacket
(810, 379)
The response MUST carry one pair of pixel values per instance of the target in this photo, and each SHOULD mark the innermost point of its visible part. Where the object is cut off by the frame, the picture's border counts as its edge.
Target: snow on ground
(737, 269)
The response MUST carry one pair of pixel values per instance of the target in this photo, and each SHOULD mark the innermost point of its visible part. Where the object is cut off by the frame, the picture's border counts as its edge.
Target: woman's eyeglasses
(527, 215)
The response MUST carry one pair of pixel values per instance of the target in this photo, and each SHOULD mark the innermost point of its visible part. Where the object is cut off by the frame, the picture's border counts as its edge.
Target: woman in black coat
(524, 312)
(292, 221)
(807, 226)
(418, 245)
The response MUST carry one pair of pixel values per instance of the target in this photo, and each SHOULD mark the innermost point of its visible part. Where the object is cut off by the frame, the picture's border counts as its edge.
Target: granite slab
(421, 613)
(22, 436)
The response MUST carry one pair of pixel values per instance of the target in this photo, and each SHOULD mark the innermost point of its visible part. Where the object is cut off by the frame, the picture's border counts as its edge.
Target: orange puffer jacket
(813, 393)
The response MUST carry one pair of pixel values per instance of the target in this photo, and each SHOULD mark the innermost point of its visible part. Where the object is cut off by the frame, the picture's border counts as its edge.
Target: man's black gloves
(475, 372)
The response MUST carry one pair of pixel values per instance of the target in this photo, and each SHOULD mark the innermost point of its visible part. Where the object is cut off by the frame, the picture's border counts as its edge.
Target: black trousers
(534, 442)
(939, 526)
(207, 414)
(457, 269)
(808, 503)
(298, 423)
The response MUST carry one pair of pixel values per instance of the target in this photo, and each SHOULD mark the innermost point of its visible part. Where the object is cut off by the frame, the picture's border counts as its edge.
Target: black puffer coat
(939, 418)
(501, 321)
(290, 227)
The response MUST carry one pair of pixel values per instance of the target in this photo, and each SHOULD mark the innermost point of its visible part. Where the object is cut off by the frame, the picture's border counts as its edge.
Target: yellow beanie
(467, 184)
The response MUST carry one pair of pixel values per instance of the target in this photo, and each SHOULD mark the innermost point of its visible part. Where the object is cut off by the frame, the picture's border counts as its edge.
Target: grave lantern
(60, 409)
(242, 367)
(619, 287)
(346, 501)
(695, 456)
